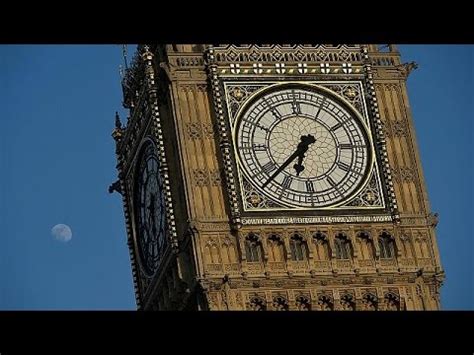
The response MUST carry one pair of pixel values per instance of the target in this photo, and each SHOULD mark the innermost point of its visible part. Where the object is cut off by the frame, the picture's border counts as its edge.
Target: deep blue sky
(57, 160)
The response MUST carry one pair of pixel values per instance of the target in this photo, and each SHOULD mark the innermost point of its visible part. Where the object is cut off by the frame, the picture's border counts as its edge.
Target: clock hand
(281, 168)
(303, 146)
(300, 150)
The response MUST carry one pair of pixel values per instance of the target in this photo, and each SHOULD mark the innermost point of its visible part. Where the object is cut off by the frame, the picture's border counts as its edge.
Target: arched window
(228, 252)
(280, 304)
(322, 246)
(386, 246)
(258, 304)
(303, 303)
(276, 249)
(392, 302)
(214, 254)
(298, 248)
(343, 247)
(253, 248)
(366, 246)
(325, 303)
(347, 302)
(369, 302)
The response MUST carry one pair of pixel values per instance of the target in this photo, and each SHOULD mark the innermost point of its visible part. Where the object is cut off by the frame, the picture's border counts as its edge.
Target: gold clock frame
(271, 85)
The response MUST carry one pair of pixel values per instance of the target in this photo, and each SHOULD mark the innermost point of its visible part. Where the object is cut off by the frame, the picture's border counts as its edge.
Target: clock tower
(274, 177)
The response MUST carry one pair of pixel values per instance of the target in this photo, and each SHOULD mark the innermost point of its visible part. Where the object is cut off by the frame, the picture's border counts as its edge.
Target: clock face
(151, 219)
(302, 147)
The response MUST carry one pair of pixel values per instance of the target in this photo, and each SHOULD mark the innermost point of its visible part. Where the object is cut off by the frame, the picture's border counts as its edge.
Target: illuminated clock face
(151, 219)
(302, 147)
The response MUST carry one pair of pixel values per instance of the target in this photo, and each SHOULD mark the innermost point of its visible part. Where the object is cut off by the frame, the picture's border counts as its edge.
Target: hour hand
(299, 167)
(303, 147)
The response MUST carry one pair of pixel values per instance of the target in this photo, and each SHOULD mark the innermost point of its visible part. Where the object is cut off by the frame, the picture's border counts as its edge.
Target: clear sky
(57, 160)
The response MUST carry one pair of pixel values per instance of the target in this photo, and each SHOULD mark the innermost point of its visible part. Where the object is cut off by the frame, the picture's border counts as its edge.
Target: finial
(118, 124)
(118, 131)
(124, 53)
(146, 54)
(121, 71)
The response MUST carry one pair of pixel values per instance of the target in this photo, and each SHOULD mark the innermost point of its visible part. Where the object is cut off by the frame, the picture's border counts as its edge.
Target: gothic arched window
(298, 248)
(276, 249)
(258, 304)
(386, 246)
(228, 252)
(347, 302)
(253, 248)
(303, 303)
(343, 247)
(322, 246)
(280, 304)
(369, 302)
(366, 246)
(325, 303)
(392, 302)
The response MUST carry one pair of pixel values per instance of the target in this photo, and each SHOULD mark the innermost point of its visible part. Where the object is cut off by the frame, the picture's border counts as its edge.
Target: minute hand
(283, 166)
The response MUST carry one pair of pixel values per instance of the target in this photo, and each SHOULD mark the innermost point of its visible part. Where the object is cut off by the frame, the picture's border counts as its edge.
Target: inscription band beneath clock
(318, 219)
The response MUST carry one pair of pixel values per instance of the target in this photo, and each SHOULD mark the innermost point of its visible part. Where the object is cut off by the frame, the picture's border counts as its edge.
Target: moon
(62, 232)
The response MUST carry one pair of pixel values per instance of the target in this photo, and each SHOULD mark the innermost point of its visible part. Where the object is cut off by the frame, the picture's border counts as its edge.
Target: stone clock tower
(274, 177)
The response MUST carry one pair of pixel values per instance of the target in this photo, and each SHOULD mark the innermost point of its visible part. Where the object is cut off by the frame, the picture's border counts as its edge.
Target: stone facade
(220, 256)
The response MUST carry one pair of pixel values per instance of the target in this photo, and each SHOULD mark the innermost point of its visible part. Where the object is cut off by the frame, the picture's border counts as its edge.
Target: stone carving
(392, 302)
(406, 68)
(303, 303)
(206, 177)
(370, 196)
(287, 53)
(257, 304)
(348, 302)
(194, 130)
(325, 303)
(432, 219)
(369, 302)
(201, 177)
(400, 128)
(199, 130)
(280, 304)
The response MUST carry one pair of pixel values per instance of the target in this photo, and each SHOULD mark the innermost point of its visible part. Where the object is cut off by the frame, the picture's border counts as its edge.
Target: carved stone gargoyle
(406, 68)
(115, 187)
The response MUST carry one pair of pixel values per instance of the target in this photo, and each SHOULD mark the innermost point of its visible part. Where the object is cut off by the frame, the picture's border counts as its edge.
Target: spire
(118, 124)
(124, 53)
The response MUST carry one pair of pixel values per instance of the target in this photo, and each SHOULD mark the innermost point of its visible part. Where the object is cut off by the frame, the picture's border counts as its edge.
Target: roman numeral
(275, 113)
(296, 107)
(273, 110)
(351, 146)
(309, 186)
(268, 167)
(320, 107)
(259, 147)
(256, 124)
(336, 127)
(344, 166)
(334, 185)
(287, 182)
(262, 127)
